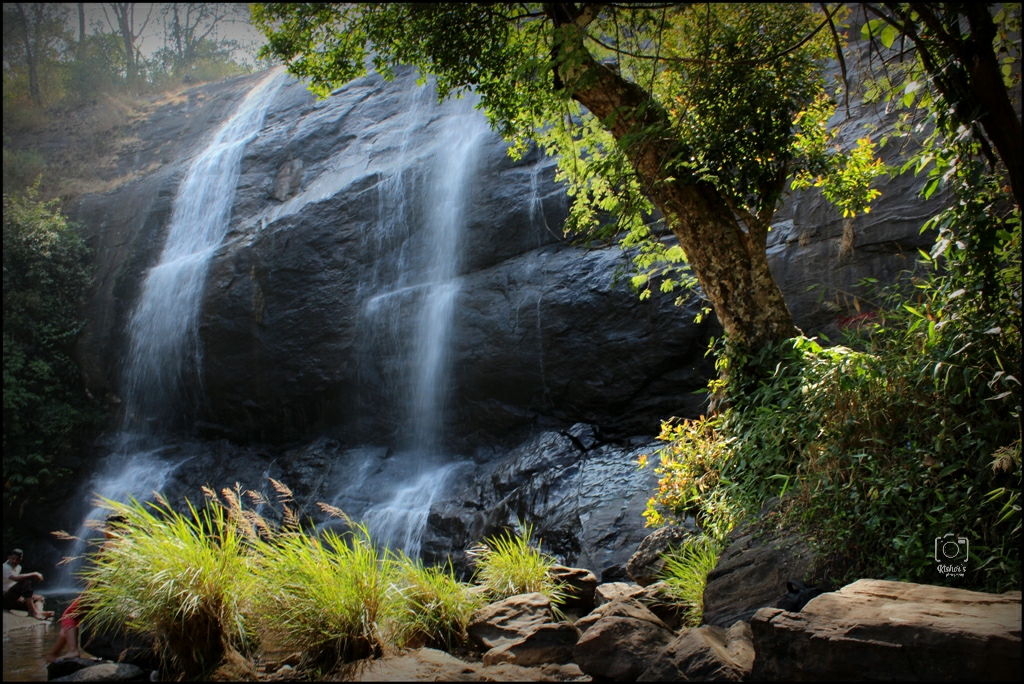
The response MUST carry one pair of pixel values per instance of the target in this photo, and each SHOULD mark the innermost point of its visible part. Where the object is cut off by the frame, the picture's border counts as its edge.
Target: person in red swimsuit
(68, 638)
(72, 616)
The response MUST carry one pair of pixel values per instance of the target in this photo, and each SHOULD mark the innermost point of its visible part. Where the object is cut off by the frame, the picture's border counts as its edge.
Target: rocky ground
(753, 630)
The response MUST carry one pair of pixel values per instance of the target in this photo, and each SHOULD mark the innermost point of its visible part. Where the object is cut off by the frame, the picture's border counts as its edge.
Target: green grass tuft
(333, 597)
(435, 606)
(686, 574)
(184, 581)
(511, 564)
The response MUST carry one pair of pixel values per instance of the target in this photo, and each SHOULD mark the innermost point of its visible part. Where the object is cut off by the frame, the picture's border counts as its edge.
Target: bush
(686, 574)
(46, 412)
(185, 582)
(884, 449)
(510, 564)
(436, 607)
(335, 598)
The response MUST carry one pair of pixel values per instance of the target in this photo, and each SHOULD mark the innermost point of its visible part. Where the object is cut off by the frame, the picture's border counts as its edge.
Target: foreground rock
(429, 665)
(646, 565)
(752, 573)
(620, 641)
(580, 585)
(63, 667)
(626, 608)
(509, 620)
(551, 643)
(105, 672)
(705, 654)
(879, 630)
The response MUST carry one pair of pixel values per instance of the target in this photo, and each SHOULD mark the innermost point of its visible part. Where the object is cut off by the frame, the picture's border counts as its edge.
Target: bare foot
(74, 654)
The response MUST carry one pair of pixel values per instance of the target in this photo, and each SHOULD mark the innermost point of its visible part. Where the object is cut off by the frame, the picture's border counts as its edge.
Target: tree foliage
(912, 430)
(46, 275)
(693, 110)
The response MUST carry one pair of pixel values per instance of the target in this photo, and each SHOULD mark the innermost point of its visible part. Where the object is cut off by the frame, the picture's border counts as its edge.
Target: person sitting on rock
(18, 593)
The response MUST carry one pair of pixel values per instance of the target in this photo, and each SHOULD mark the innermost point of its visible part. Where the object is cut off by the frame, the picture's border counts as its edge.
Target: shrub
(686, 573)
(333, 597)
(435, 606)
(47, 414)
(184, 581)
(510, 564)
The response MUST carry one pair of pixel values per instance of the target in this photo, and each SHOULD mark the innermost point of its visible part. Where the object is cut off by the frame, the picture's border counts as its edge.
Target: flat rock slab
(879, 630)
(430, 665)
(19, 619)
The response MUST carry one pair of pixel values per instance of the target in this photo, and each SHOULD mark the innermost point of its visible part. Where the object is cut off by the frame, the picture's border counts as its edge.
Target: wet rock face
(306, 322)
(564, 489)
(296, 328)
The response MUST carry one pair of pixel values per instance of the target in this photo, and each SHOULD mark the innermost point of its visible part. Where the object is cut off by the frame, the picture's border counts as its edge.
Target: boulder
(620, 648)
(234, 667)
(753, 571)
(62, 667)
(616, 591)
(645, 566)
(133, 649)
(509, 620)
(657, 600)
(580, 584)
(105, 672)
(544, 644)
(705, 654)
(628, 608)
(880, 630)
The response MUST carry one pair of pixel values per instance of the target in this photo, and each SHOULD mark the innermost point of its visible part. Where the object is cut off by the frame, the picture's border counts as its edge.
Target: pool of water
(25, 649)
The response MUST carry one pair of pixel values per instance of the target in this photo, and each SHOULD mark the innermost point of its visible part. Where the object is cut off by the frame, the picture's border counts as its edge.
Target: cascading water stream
(421, 291)
(164, 353)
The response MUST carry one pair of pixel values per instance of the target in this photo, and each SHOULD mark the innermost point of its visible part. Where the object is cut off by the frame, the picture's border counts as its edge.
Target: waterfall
(409, 310)
(453, 171)
(164, 355)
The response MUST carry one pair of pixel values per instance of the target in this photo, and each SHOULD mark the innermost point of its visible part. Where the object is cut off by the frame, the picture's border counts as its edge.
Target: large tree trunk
(731, 264)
